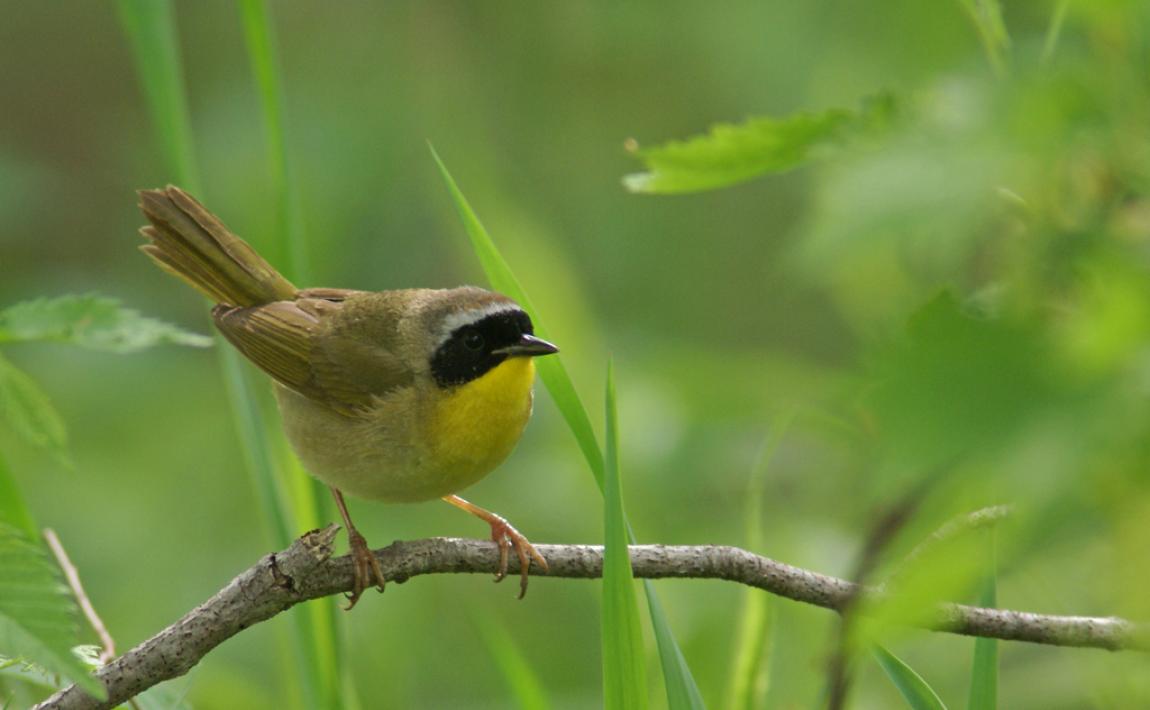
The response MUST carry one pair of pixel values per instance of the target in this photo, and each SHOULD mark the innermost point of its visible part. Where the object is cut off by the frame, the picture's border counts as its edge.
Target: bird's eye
(473, 341)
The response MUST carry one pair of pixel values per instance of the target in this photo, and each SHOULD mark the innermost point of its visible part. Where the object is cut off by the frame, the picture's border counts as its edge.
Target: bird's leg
(366, 564)
(506, 537)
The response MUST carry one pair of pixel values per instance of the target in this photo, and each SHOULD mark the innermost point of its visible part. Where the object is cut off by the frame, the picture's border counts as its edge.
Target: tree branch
(306, 570)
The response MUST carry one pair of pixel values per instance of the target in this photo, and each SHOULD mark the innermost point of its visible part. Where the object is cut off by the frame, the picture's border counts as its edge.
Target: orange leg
(506, 537)
(366, 564)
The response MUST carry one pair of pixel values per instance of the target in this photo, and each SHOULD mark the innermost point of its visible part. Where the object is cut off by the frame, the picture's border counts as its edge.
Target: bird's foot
(507, 537)
(368, 571)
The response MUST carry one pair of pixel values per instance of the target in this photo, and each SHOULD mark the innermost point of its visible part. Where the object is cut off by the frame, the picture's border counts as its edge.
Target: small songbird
(396, 396)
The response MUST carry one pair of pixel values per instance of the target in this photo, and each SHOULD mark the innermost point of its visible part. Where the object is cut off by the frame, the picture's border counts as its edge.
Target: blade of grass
(151, 29)
(325, 648)
(624, 671)
(551, 369)
(753, 624)
(677, 676)
(911, 686)
(987, 18)
(524, 683)
(1054, 31)
(984, 668)
(262, 53)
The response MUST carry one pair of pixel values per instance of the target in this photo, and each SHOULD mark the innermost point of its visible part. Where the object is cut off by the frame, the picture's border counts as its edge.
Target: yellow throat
(476, 426)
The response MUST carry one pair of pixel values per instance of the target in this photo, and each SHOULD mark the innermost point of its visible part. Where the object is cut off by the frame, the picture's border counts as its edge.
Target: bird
(398, 396)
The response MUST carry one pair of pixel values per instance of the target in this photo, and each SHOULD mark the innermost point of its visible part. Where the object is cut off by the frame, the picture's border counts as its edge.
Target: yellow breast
(475, 427)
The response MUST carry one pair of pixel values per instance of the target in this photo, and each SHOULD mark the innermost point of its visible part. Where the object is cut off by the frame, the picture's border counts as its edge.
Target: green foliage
(528, 689)
(751, 654)
(150, 26)
(916, 692)
(37, 614)
(26, 409)
(90, 321)
(624, 668)
(731, 154)
(987, 18)
(682, 690)
(14, 511)
(551, 369)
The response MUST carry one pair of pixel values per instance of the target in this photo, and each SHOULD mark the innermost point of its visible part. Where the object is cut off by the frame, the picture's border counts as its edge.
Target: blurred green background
(965, 295)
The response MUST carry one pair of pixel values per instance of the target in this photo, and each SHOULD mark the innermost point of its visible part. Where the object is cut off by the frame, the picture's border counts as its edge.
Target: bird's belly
(413, 447)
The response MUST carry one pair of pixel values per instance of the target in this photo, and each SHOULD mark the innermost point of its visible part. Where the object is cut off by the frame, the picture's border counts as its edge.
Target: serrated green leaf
(984, 668)
(733, 153)
(624, 670)
(917, 693)
(37, 614)
(90, 321)
(13, 510)
(28, 411)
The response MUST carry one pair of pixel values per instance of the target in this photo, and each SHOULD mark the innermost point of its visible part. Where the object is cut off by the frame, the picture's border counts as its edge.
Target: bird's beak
(528, 346)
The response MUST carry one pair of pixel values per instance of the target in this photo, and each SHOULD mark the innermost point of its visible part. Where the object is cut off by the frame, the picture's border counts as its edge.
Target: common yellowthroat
(397, 396)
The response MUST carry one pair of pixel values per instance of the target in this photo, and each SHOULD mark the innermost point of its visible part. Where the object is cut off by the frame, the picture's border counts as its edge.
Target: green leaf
(260, 39)
(37, 614)
(914, 689)
(733, 153)
(27, 409)
(13, 510)
(987, 18)
(676, 674)
(524, 682)
(682, 692)
(551, 368)
(90, 321)
(151, 27)
(624, 670)
(751, 646)
(984, 668)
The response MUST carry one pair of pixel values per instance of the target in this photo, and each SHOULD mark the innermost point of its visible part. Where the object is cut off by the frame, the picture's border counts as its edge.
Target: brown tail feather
(189, 242)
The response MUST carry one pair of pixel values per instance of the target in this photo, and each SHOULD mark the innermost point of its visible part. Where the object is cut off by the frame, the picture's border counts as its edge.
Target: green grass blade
(551, 369)
(677, 675)
(682, 692)
(151, 29)
(38, 619)
(753, 625)
(624, 670)
(987, 18)
(262, 53)
(13, 510)
(914, 689)
(323, 648)
(525, 684)
(984, 669)
(1054, 31)
(150, 26)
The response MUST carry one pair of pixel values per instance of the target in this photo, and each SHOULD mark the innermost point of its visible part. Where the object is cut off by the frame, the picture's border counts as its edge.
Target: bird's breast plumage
(417, 443)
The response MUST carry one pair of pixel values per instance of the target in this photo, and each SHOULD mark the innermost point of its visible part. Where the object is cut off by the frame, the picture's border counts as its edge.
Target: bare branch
(108, 651)
(306, 571)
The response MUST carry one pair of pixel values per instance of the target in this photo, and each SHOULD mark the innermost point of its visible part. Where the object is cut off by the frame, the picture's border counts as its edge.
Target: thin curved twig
(306, 570)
